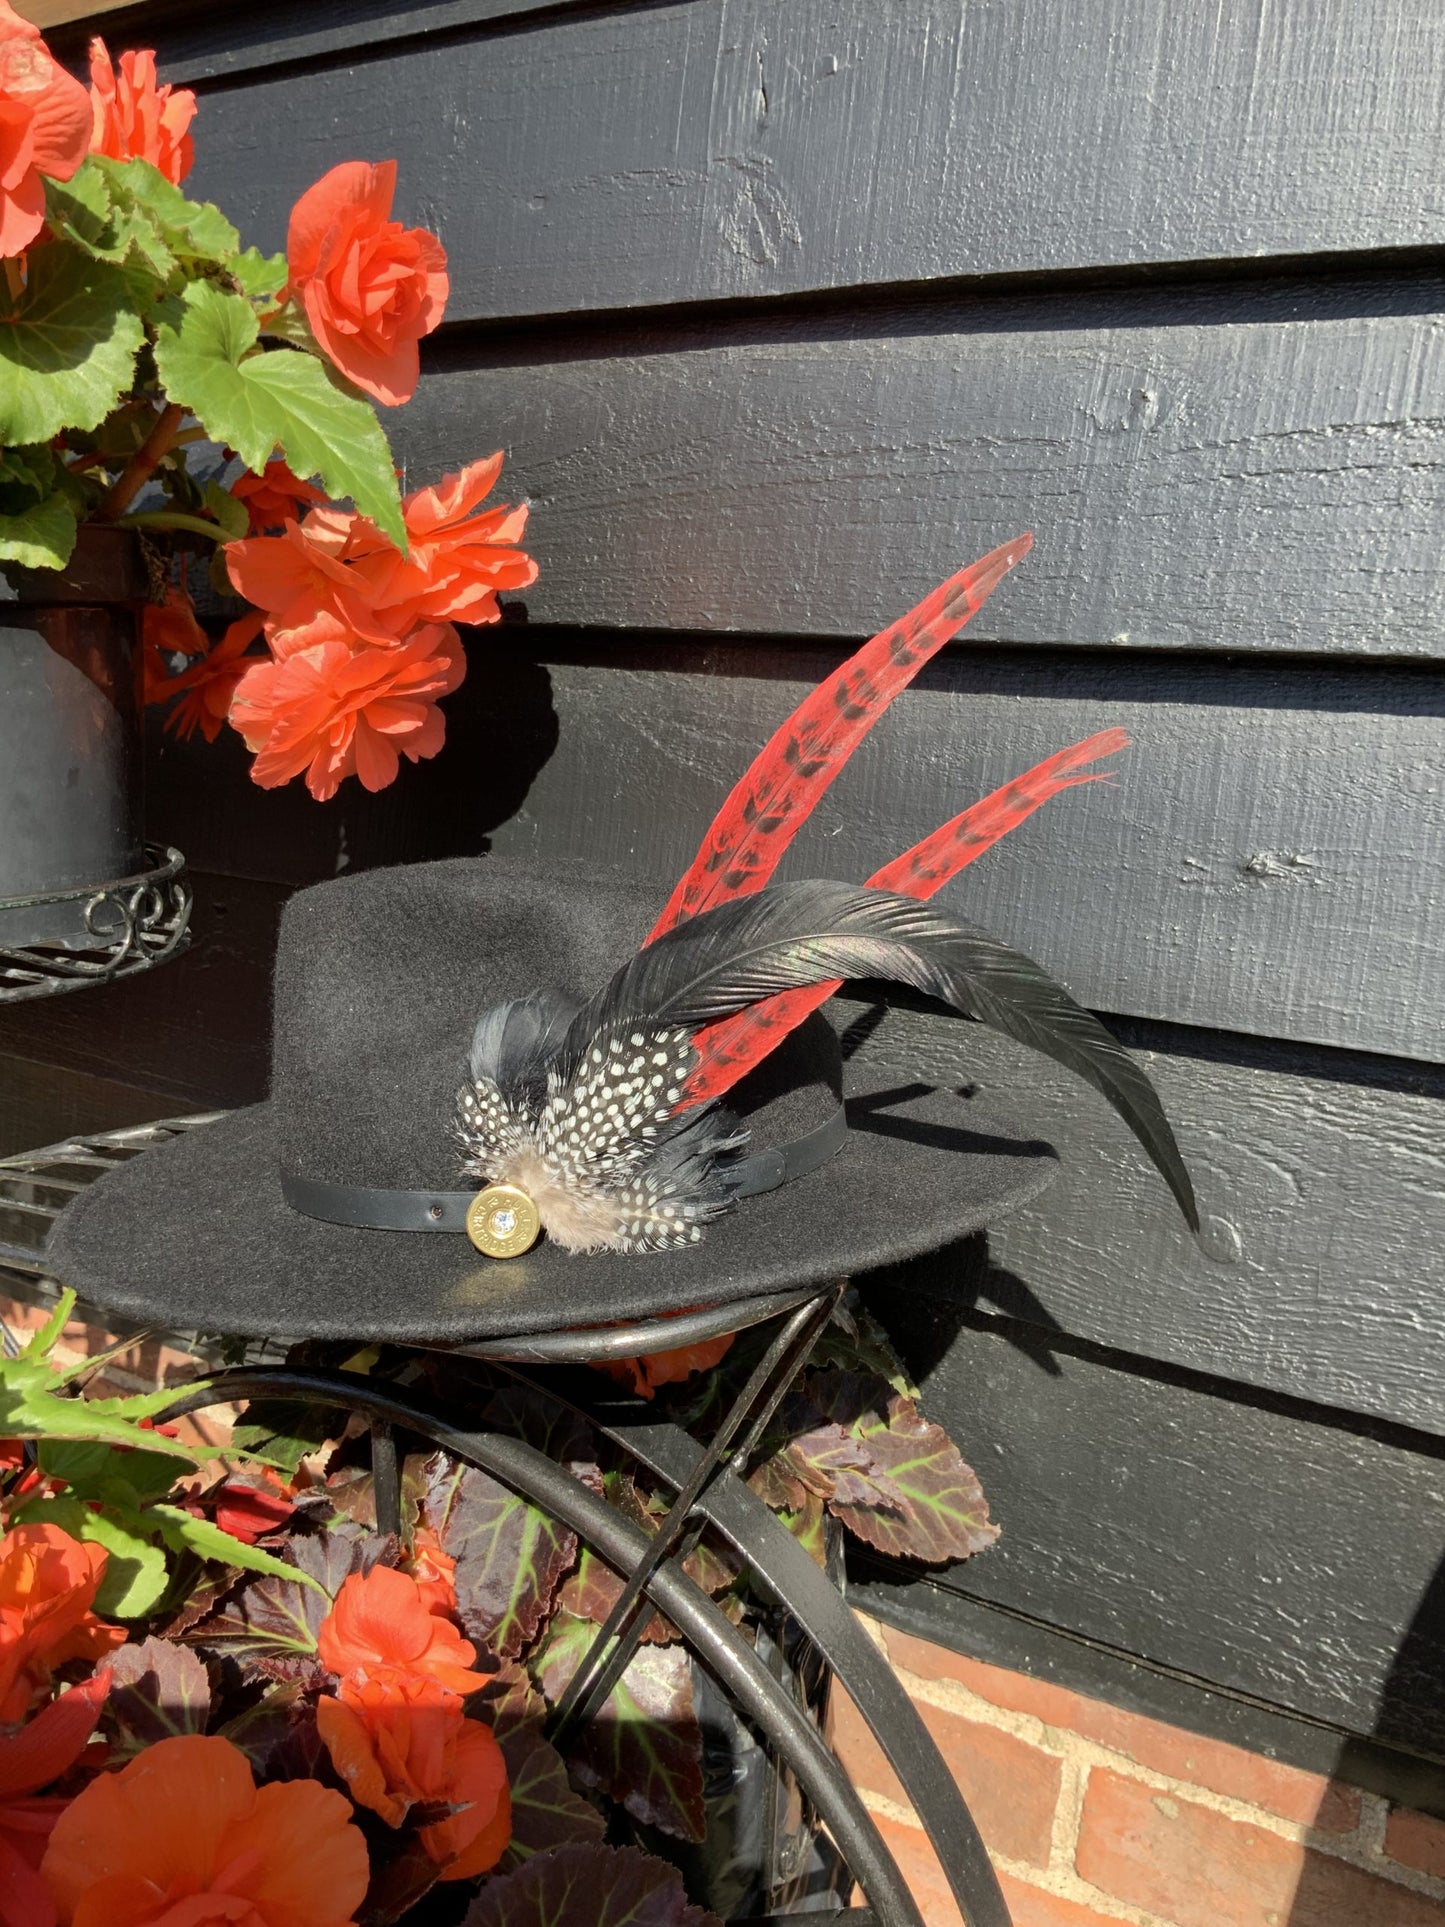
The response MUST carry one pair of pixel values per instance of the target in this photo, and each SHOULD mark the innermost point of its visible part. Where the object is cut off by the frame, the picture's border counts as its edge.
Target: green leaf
(41, 537)
(261, 276)
(135, 1572)
(68, 342)
(230, 513)
(30, 1408)
(92, 1470)
(281, 1432)
(194, 231)
(184, 1532)
(158, 1691)
(256, 400)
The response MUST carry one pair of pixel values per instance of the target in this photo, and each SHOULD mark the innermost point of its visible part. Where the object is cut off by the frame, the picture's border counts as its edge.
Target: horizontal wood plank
(1293, 1561)
(735, 148)
(1270, 858)
(1321, 1269)
(1194, 480)
(42, 1103)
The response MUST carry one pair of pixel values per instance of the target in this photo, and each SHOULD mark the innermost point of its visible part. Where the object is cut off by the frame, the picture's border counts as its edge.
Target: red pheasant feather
(730, 1048)
(769, 806)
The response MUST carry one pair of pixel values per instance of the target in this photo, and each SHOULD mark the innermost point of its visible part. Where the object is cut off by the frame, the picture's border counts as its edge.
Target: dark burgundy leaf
(591, 1593)
(509, 1700)
(588, 1885)
(776, 1484)
(279, 1735)
(271, 1623)
(546, 1812)
(510, 1559)
(645, 1746)
(158, 1690)
(398, 1883)
(932, 1506)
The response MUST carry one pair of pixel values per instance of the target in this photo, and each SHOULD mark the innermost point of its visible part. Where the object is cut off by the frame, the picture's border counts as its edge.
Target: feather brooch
(607, 1115)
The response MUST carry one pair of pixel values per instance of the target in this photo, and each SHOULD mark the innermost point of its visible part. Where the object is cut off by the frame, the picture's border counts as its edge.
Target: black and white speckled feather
(598, 1150)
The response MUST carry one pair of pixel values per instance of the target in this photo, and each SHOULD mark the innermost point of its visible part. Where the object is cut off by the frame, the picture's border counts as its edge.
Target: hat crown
(380, 980)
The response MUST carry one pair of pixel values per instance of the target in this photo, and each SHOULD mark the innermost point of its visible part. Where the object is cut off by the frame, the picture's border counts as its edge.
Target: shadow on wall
(502, 730)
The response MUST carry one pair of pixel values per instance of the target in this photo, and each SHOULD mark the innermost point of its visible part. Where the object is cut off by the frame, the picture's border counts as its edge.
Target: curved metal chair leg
(622, 1544)
(786, 1571)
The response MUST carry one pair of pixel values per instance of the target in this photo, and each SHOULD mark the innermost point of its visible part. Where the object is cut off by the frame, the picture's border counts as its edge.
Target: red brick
(1012, 1787)
(1416, 1840)
(1030, 1906)
(1198, 1868)
(1287, 1791)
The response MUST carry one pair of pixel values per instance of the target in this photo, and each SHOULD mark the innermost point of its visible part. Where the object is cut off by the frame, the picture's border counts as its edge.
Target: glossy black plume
(803, 933)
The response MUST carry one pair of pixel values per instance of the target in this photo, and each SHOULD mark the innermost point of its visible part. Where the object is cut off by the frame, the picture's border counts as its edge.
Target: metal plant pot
(70, 733)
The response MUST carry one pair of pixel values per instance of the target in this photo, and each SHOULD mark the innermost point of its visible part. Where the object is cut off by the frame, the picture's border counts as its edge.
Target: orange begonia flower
(275, 498)
(44, 128)
(644, 1375)
(309, 595)
(183, 1836)
(434, 1572)
(336, 712)
(134, 119)
(457, 561)
(370, 287)
(207, 688)
(399, 1740)
(39, 1753)
(380, 1619)
(48, 1584)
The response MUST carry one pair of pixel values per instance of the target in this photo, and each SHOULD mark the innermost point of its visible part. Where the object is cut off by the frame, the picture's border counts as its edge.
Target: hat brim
(195, 1236)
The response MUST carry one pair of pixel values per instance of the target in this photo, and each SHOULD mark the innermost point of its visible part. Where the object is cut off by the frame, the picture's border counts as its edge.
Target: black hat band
(375, 1209)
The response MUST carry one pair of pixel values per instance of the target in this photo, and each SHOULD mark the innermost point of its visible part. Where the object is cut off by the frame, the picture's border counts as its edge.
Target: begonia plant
(156, 375)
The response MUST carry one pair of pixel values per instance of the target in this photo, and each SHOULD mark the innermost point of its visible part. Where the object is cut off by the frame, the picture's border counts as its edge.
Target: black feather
(513, 1043)
(806, 933)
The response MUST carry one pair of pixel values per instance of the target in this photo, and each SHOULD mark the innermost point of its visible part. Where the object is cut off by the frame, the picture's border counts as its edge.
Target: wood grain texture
(1252, 1548)
(1271, 858)
(725, 148)
(1321, 1269)
(42, 1103)
(1193, 480)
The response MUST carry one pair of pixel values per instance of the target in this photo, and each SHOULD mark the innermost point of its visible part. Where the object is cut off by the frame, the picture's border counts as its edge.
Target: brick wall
(1096, 1816)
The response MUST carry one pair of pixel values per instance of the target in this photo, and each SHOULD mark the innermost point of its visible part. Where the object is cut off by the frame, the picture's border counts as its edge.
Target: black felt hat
(654, 1094)
(379, 981)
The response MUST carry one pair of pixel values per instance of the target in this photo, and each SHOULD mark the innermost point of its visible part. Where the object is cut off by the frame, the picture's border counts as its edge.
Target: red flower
(208, 687)
(48, 1584)
(336, 712)
(181, 1836)
(134, 119)
(39, 1753)
(370, 287)
(44, 128)
(275, 497)
(400, 1740)
(248, 1511)
(380, 1621)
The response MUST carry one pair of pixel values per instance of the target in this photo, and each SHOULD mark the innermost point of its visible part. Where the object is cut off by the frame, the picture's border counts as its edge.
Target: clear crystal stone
(503, 1223)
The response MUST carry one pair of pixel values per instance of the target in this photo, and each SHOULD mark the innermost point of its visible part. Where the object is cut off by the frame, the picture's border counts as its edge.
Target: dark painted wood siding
(783, 309)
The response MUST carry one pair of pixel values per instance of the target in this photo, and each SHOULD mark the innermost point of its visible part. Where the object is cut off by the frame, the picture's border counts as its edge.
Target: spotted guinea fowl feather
(728, 1049)
(770, 804)
(807, 933)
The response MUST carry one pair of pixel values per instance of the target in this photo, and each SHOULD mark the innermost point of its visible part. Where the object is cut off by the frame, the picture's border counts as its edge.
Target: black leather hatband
(375, 1209)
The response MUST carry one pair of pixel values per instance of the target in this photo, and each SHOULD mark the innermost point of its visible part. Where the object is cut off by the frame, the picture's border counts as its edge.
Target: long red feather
(731, 1047)
(768, 807)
